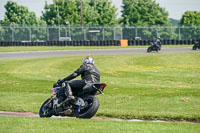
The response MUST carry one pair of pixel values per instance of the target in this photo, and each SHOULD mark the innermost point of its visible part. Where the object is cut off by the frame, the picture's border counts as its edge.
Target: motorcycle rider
(89, 74)
(158, 42)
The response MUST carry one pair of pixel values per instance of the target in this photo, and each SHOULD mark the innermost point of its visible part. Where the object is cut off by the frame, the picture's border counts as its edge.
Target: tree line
(143, 13)
(95, 12)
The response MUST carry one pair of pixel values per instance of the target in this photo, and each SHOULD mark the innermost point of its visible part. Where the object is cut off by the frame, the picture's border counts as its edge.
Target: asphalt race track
(57, 53)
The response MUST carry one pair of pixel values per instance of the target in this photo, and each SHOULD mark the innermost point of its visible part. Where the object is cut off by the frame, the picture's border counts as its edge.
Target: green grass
(38, 125)
(46, 48)
(144, 86)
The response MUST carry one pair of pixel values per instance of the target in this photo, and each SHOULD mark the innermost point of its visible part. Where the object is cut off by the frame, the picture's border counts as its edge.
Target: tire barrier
(95, 43)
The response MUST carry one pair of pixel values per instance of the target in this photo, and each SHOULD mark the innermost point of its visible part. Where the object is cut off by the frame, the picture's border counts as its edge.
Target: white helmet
(88, 60)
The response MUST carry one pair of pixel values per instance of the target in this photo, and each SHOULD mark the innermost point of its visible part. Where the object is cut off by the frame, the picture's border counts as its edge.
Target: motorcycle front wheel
(149, 50)
(194, 48)
(92, 105)
(46, 109)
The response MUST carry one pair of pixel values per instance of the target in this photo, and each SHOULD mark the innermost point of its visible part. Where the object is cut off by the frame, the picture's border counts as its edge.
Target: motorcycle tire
(46, 112)
(149, 50)
(194, 48)
(90, 110)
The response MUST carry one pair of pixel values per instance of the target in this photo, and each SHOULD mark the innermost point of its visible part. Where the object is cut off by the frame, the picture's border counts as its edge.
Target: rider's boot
(68, 93)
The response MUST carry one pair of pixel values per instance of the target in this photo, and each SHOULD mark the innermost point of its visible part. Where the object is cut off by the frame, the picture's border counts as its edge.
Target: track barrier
(122, 43)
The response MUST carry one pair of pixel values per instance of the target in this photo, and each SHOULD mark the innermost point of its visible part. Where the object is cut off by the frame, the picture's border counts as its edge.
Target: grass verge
(38, 125)
(144, 86)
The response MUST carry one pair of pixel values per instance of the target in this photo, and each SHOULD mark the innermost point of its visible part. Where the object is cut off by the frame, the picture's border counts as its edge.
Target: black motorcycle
(196, 45)
(85, 104)
(153, 47)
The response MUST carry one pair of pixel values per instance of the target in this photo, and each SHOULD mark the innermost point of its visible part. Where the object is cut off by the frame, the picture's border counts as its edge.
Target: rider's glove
(59, 82)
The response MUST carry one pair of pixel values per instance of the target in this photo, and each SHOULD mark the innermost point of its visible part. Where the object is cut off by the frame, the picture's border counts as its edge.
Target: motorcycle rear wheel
(46, 110)
(90, 110)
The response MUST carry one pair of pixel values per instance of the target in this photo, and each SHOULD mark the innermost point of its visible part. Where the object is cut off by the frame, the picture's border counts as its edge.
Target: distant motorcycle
(196, 45)
(84, 106)
(154, 47)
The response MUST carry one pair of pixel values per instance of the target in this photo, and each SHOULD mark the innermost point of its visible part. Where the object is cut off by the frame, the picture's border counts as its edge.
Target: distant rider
(158, 42)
